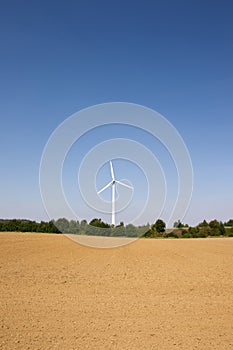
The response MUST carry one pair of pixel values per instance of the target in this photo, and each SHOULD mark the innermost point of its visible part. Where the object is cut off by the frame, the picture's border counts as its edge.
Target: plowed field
(151, 294)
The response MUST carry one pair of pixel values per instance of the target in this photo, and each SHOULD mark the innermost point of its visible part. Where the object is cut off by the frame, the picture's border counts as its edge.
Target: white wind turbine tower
(113, 184)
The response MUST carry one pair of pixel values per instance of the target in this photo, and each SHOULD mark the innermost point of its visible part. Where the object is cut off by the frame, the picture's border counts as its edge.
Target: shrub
(186, 235)
(171, 235)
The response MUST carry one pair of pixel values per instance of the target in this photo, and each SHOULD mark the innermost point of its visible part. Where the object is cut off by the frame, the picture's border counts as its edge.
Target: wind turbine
(113, 183)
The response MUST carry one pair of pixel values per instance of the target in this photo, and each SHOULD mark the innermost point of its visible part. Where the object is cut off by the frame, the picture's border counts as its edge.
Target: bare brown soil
(151, 294)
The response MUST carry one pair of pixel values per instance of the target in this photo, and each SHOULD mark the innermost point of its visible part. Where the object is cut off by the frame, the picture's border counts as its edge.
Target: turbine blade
(112, 172)
(105, 187)
(123, 184)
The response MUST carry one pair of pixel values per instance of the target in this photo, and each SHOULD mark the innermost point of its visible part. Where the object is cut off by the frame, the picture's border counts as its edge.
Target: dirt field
(151, 294)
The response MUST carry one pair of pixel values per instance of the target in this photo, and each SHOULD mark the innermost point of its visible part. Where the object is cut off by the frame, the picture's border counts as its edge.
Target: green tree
(178, 224)
(193, 231)
(229, 223)
(131, 230)
(215, 228)
(203, 224)
(229, 232)
(83, 225)
(204, 231)
(99, 223)
(52, 228)
(119, 230)
(222, 228)
(73, 227)
(97, 227)
(141, 230)
(63, 225)
(159, 226)
(214, 224)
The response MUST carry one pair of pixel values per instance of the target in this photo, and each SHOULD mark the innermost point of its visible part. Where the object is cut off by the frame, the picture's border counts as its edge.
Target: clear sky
(58, 57)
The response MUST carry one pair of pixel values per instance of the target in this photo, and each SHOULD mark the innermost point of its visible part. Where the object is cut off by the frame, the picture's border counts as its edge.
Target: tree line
(213, 228)
(99, 228)
(95, 227)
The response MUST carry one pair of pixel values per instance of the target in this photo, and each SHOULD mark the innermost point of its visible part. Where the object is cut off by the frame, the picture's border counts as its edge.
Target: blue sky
(58, 57)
